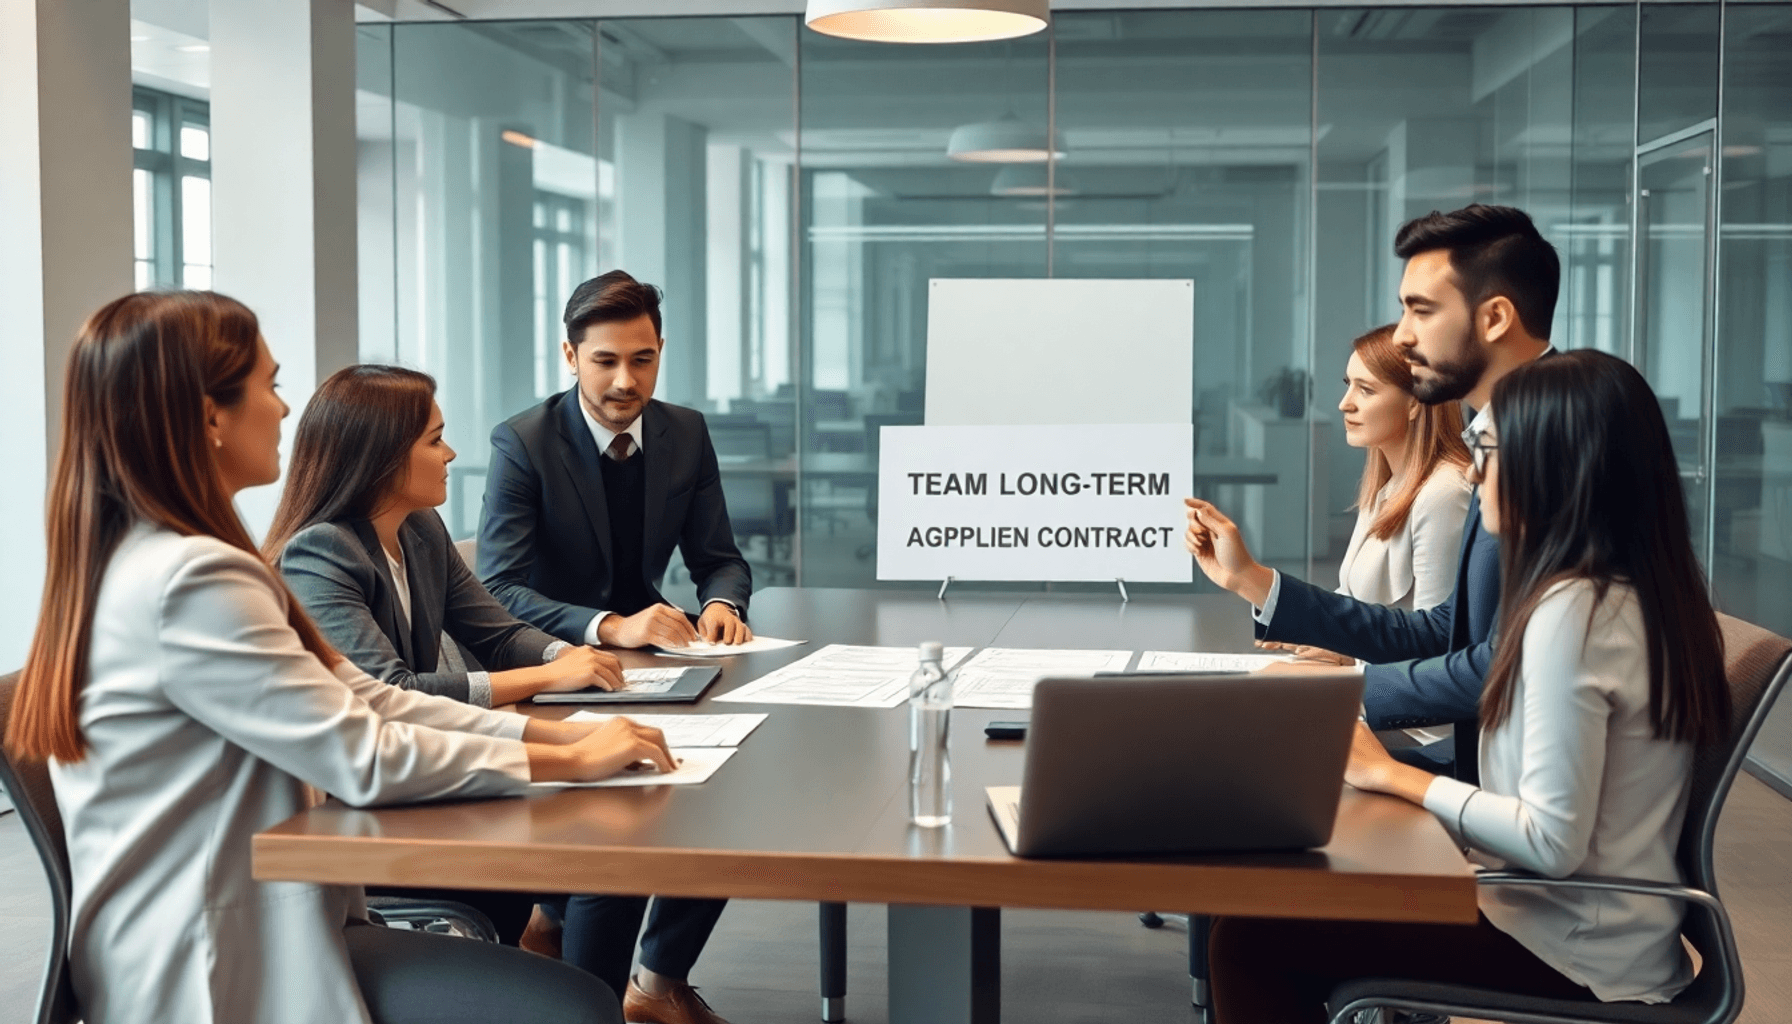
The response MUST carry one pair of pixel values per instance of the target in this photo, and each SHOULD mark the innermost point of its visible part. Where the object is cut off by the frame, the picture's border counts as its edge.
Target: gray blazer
(205, 718)
(339, 572)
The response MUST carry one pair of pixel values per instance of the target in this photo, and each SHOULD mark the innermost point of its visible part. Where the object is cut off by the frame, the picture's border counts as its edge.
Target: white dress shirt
(205, 719)
(604, 437)
(1574, 782)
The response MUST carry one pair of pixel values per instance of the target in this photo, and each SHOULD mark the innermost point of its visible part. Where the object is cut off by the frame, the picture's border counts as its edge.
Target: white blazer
(204, 718)
(1416, 567)
(1575, 782)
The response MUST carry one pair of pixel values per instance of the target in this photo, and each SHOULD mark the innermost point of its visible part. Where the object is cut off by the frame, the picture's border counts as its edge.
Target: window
(171, 191)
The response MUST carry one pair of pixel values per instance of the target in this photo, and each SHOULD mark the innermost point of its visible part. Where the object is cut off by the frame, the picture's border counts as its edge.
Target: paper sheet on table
(841, 675)
(1197, 661)
(705, 649)
(1003, 677)
(688, 730)
(696, 765)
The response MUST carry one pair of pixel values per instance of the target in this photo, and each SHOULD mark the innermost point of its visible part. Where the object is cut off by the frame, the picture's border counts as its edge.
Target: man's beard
(1449, 380)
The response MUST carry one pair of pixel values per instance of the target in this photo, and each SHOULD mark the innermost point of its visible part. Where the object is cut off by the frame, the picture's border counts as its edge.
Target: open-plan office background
(793, 193)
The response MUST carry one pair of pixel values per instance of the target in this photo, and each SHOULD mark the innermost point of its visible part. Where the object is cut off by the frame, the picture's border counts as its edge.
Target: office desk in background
(814, 807)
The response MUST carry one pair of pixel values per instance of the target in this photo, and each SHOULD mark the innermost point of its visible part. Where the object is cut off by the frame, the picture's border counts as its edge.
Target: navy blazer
(338, 571)
(1425, 667)
(544, 535)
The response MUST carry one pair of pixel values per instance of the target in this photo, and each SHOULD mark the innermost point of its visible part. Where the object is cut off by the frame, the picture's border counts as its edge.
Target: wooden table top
(813, 806)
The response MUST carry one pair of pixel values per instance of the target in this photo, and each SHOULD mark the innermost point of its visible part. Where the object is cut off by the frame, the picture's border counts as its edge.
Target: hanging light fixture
(1006, 140)
(1029, 180)
(928, 21)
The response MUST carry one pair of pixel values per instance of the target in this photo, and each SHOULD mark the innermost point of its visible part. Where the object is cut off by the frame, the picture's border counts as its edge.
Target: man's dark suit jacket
(1425, 668)
(544, 537)
(338, 571)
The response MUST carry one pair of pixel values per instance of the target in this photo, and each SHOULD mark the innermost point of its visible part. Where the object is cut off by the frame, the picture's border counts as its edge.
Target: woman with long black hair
(1608, 672)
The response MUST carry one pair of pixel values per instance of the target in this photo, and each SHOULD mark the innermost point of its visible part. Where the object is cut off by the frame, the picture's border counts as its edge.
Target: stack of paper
(706, 649)
(1003, 677)
(1195, 661)
(695, 765)
(841, 675)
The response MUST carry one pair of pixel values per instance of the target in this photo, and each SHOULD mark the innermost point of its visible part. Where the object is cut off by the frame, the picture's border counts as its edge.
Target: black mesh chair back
(1756, 666)
(28, 783)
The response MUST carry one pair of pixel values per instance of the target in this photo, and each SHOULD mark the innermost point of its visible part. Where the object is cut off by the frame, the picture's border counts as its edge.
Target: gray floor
(1073, 968)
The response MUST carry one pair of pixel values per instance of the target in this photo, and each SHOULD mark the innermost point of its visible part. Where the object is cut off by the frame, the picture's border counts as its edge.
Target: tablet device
(677, 684)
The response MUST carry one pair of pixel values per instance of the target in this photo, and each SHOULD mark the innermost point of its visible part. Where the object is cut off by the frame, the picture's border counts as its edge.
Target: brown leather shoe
(680, 1006)
(541, 936)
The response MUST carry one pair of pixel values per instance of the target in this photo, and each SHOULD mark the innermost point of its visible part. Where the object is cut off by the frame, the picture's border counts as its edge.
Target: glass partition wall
(793, 193)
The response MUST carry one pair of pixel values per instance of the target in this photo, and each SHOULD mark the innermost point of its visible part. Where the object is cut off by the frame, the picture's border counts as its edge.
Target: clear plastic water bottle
(929, 733)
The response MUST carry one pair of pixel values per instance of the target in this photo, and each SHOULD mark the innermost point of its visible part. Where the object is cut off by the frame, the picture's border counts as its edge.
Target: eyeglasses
(1478, 446)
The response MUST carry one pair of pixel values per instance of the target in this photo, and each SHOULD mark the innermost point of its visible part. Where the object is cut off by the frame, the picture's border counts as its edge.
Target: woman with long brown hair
(358, 539)
(1413, 498)
(184, 701)
(1607, 674)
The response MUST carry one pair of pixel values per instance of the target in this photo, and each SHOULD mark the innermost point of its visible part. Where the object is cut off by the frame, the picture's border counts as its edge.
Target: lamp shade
(1006, 140)
(928, 21)
(1017, 180)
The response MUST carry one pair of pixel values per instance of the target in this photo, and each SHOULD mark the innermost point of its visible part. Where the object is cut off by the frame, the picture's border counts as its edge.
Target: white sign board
(1034, 503)
(1062, 350)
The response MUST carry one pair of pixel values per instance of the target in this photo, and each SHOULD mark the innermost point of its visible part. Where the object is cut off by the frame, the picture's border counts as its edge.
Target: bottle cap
(932, 650)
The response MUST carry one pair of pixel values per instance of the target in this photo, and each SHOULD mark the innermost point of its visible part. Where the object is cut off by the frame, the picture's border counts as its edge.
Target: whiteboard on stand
(1059, 351)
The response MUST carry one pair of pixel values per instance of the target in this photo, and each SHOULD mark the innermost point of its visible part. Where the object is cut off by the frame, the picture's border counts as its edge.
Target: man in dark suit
(590, 491)
(587, 495)
(1477, 297)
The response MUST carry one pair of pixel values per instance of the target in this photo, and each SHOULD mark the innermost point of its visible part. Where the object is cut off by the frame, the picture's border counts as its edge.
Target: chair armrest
(1726, 938)
(1639, 887)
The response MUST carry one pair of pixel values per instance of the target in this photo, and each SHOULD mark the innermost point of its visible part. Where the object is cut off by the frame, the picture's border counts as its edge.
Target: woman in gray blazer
(359, 541)
(185, 701)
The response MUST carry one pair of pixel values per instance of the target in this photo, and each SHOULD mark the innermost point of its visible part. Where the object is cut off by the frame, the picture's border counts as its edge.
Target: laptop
(681, 684)
(1180, 764)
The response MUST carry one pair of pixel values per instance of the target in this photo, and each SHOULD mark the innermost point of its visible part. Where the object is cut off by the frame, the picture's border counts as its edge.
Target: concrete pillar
(65, 247)
(283, 187)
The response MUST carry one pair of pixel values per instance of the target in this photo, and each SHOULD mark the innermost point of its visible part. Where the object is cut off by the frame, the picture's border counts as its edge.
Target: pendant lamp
(928, 21)
(1029, 180)
(1006, 140)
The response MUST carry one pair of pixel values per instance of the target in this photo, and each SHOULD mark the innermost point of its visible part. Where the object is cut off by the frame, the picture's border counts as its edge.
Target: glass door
(1674, 301)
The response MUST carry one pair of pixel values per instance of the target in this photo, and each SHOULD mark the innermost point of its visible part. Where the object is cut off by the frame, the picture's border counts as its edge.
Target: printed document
(687, 730)
(705, 649)
(1195, 661)
(696, 765)
(1003, 677)
(842, 675)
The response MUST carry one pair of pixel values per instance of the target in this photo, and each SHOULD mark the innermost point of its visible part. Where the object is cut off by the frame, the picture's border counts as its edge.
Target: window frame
(168, 113)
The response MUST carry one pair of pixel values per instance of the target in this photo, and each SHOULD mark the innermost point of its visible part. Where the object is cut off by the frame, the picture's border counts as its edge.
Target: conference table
(814, 806)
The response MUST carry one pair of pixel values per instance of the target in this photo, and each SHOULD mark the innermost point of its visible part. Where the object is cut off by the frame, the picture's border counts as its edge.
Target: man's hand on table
(659, 625)
(721, 624)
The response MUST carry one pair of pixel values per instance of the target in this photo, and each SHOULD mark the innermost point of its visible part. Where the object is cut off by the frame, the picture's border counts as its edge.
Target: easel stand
(1121, 583)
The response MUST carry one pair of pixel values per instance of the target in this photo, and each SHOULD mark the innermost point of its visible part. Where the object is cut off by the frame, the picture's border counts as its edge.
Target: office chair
(442, 917)
(1756, 667)
(28, 782)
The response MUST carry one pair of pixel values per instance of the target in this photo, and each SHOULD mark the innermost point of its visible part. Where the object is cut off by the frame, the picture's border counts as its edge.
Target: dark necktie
(619, 448)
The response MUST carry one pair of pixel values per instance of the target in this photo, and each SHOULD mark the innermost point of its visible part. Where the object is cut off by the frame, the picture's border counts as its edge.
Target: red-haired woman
(1413, 499)
(184, 701)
